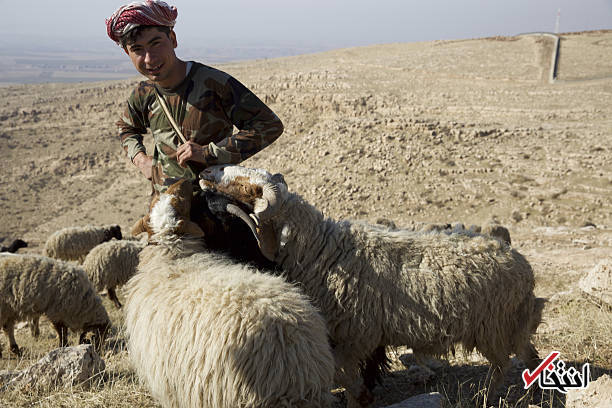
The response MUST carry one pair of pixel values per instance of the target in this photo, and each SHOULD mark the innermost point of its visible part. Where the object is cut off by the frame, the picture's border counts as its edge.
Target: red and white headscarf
(149, 12)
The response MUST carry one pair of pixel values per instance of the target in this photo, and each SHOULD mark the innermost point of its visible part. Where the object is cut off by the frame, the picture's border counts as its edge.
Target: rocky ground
(467, 131)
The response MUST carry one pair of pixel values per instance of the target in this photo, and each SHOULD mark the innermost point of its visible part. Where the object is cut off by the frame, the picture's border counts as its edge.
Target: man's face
(153, 56)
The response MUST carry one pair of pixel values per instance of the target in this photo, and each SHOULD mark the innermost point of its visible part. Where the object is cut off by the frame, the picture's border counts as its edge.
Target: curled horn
(238, 212)
(263, 234)
(266, 206)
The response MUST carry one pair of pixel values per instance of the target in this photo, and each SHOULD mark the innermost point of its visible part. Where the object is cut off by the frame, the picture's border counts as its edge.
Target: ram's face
(262, 193)
(256, 188)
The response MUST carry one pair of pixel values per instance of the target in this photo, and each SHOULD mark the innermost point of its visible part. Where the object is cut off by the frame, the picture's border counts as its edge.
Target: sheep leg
(374, 367)
(529, 355)
(10, 333)
(62, 332)
(112, 295)
(495, 377)
(349, 376)
(34, 326)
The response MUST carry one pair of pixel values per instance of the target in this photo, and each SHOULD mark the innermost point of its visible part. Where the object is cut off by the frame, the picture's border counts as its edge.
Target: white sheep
(380, 287)
(205, 331)
(13, 248)
(31, 285)
(112, 264)
(74, 243)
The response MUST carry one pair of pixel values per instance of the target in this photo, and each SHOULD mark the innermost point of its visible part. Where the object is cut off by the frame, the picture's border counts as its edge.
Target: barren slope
(441, 131)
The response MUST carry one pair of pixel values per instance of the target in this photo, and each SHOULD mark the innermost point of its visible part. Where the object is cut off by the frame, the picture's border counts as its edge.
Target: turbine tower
(557, 22)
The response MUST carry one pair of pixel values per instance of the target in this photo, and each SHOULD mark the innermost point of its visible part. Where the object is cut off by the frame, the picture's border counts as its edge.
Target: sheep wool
(74, 243)
(425, 290)
(204, 331)
(31, 285)
(112, 264)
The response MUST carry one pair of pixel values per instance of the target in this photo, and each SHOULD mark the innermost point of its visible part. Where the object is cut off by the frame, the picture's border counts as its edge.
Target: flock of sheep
(64, 291)
(207, 329)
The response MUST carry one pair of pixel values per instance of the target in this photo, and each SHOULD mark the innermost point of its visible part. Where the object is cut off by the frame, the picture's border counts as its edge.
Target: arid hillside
(449, 131)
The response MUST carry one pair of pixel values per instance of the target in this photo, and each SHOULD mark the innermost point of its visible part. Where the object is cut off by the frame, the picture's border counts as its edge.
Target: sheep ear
(142, 225)
(182, 194)
(139, 227)
(190, 228)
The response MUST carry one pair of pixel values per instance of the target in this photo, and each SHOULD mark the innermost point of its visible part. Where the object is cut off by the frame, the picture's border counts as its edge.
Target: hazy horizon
(340, 22)
(242, 29)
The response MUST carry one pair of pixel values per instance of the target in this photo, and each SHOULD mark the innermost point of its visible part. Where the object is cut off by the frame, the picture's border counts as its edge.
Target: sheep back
(112, 263)
(425, 290)
(428, 290)
(224, 335)
(31, 285)
(73, 243)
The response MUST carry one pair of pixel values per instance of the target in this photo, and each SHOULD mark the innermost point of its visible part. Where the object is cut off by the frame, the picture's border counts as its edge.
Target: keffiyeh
(149, 12)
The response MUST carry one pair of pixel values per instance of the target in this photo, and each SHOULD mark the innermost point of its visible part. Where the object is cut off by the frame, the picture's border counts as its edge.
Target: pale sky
(313, 23)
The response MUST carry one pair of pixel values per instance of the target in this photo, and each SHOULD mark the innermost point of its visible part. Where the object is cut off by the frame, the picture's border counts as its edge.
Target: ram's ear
(189, 228)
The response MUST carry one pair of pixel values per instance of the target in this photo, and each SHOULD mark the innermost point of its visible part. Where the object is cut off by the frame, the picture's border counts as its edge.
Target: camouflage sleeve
(132, 125)
(258, 126)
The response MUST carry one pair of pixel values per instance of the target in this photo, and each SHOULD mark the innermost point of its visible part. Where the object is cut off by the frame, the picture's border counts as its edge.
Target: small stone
(598, 282)
(516, 216)
(387, 223)
(598, 394)
(419, 374)
(431, 400)
(62, 367)
(7, 375)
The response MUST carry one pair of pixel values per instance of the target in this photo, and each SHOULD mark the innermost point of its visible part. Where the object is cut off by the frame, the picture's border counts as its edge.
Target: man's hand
(190, 151)
(144, 164)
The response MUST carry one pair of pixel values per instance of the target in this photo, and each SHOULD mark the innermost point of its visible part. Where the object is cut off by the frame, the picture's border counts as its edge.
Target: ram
(379, 287)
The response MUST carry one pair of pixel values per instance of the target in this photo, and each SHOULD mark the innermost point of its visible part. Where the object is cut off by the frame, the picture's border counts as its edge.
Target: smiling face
(152, 54)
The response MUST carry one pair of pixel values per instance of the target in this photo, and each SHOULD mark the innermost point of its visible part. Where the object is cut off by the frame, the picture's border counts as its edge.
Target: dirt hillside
(448, 131)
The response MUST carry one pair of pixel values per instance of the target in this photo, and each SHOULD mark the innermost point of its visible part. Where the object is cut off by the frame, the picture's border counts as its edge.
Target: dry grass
(575, 325)
(116, 387)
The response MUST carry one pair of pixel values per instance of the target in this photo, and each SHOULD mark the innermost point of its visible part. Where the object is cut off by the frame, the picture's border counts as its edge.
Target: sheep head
(99, 334)
(113, 231)
(170, 212)
(263, 193)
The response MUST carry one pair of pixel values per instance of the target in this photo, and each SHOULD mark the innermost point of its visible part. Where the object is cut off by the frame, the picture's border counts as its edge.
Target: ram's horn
(240, 213)
(266, 206)
(264, 234)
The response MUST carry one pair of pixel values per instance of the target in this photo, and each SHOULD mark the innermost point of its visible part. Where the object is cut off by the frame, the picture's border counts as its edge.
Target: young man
(205, 103)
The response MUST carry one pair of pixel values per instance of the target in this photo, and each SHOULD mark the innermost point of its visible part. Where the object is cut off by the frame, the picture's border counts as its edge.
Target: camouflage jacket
(206, 106)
